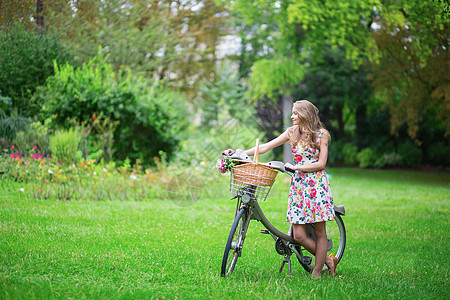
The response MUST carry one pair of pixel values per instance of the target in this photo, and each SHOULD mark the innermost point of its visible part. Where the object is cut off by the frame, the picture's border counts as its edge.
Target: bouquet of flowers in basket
(225, 164)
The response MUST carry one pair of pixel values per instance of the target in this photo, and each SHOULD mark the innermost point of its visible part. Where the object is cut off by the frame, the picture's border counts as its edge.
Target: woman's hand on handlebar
(289, 167)
(228, 152)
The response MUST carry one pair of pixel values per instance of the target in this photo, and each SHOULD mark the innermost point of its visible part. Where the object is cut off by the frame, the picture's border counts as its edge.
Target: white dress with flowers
(310, 198)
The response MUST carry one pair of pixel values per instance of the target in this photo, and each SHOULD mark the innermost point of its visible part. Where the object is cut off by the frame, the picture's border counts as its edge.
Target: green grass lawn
(397, 239)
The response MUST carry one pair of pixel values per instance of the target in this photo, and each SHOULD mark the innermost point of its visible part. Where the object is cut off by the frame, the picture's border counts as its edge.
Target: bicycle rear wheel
(234, 243)
(336, 233)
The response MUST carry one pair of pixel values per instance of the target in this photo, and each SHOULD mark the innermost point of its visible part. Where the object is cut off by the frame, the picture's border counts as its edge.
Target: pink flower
(34, 147)
(39, 156)
(48, 155)
(12, 147)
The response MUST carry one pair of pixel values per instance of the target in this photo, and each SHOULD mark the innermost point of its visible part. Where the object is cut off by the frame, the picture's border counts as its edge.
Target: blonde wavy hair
(309, 124)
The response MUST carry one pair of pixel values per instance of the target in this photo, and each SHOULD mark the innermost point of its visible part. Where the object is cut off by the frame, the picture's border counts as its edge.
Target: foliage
(64, 145)
(408, 38)
(404, 42)
(35, 136)
(13, 123)
(5, 102)
(340, 91)
(391, 159)
(98, 135)
(224, 98)
(274, 77)
(277, 65)
(14, 12)
(438, 154)
(174, 42)
(349, 154)
(26, 60)
(412, 156)
(334, 152)
(366, 158)
(412, 86)
(149, 117)
(50, 177)
(351, 23)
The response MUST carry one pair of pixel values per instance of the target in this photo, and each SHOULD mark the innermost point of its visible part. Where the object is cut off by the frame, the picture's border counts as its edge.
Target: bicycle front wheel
(235, 243)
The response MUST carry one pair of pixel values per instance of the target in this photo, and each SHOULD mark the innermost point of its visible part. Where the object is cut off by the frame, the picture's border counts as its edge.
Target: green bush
(13, 123)
(334, 152)
(366, 158)
(26, 60)
(411, 155)
(64, 145)
(149, 117)
(391, 159)
(439, 154)
(35, 137)
(349, 154)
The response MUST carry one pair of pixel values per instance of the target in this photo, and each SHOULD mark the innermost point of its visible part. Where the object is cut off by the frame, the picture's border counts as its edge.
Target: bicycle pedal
(307, 260)
(264, 231)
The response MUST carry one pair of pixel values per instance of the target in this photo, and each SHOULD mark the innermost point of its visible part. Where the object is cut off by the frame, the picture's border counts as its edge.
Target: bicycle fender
(340, 210)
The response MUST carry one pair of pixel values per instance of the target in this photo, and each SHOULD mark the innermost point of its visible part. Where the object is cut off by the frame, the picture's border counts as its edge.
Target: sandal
(335, 261)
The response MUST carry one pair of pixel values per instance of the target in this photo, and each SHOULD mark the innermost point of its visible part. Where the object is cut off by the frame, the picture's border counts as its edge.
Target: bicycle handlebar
(240, 155)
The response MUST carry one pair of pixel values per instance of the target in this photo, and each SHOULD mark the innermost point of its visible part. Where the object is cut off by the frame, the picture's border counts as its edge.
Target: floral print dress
(310, 198)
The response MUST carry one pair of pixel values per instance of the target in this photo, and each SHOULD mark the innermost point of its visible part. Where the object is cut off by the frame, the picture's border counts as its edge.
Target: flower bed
(43, 178)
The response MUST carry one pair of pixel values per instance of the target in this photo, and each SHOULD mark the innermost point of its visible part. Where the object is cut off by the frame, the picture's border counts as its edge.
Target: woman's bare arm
(318, 165)
(280, 140)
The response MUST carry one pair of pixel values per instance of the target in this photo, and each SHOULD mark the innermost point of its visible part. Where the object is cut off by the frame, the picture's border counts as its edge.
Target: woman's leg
(300, 236)
(319, 249)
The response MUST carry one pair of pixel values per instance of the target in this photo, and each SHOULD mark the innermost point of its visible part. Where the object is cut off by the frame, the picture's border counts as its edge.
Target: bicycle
(251, 182)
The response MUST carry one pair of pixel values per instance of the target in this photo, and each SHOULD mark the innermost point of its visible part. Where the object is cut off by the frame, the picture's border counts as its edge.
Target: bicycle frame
(286, 241)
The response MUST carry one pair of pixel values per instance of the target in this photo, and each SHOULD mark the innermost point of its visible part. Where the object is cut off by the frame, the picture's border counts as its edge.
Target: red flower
(313, 193)
(298, 158)
(311, 182)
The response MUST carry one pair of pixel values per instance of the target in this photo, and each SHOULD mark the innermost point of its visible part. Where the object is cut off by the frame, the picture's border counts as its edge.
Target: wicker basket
(254, 174)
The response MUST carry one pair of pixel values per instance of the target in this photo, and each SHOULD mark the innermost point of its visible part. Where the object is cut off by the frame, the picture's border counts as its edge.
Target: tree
(171, 41)
(402, 37)
(278, 68)
(411, 78)
(13, 12)
(26, 60)
(340, 91)
(174, 41)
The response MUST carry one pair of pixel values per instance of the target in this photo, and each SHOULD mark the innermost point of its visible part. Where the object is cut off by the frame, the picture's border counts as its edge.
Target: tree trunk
(340, 119)
(40, 13)
(287, 110)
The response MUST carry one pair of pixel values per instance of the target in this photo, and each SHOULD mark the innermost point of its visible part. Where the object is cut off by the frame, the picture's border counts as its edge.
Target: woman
(310, 199)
